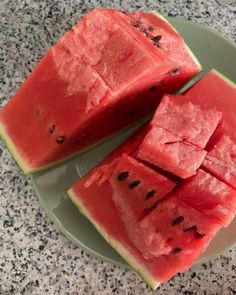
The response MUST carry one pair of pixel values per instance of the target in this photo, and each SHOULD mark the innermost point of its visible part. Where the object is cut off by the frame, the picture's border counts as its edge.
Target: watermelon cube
(174, 228)
(98, 74)
(188, 121)
(221, 160)
(210, 196)
(178, 135)
(170, 152)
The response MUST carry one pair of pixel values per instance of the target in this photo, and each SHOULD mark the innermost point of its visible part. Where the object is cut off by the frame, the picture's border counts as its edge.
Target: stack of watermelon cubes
(170, 188)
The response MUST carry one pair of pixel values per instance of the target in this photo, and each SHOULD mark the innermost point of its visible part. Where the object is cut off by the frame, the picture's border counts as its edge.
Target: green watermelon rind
(192, 55)
(123, 251)
(12, 148)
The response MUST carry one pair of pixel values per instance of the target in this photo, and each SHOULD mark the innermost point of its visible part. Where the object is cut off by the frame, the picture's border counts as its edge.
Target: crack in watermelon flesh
(100, 73)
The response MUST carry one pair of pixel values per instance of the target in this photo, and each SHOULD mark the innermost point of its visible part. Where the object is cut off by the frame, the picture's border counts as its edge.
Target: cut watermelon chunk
(178, 134)
(170, 152)
(221, 160)
(98, 74)
(136, 190)
(210, 196)
(141, 186)
(186, 120)
(175, 228)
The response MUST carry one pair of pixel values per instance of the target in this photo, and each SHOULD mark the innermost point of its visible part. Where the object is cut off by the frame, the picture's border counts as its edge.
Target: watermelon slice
(108, 221)
(210, 196)
(100, 73)
(178, 134)
(184, 215)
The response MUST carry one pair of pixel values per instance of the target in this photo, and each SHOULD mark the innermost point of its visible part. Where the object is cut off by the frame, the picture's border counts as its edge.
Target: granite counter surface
(35, 258)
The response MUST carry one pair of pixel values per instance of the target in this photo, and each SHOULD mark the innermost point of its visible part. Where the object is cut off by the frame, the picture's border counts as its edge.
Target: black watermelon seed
(175, 71)
(123, 11)
(145, 31)
(60, 139)
(191, 228)
(156, 39)
(151, 29)
(177, 220)
(176, 250)
(52, 129)
(153, 88)
(199, 235)
(137, 24)
(131, 113)
(149, 195)
(134, 184)
(122, 176)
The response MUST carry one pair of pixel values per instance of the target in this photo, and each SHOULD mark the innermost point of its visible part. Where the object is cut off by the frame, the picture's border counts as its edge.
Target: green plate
(213, 51)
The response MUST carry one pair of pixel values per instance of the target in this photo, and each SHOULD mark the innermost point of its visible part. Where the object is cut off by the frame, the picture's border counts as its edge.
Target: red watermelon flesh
(136, 190)
(210, 196)
(108, 222)
(170, 152)
(216, 91)
(97, 74)
(221, 160)
(174, 227)
(186, 120)
(163, 38)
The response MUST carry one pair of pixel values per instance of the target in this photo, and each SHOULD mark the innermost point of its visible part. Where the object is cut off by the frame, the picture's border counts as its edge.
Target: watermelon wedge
(104, 73)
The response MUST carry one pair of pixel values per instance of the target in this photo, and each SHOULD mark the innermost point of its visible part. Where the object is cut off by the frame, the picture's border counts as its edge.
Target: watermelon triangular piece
(136, 190)
(210, 196)
(174, 227)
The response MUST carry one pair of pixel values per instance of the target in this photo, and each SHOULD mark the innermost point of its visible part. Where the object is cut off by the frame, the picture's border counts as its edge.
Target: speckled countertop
(35, 258)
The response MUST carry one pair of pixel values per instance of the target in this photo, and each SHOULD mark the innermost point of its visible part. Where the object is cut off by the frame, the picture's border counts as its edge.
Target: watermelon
(136, 190)
(215, 90)
(210, 196)
(158, 223)
(221, 160)
(154, 263)
(104, 73)
(178, 135)
(173, 227)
